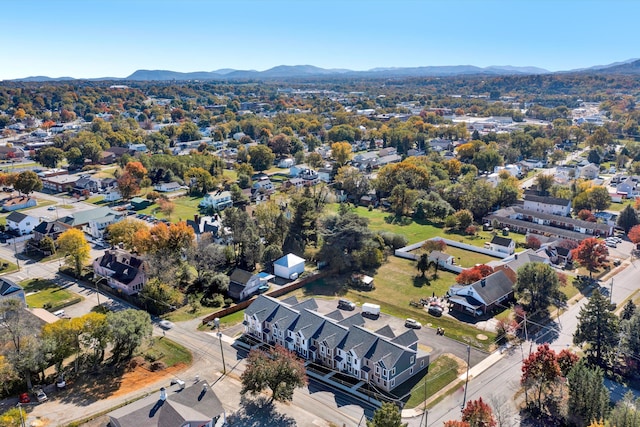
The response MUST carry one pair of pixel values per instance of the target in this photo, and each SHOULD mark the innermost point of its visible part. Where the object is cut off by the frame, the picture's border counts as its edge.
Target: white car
(165, 324)
(412, 323)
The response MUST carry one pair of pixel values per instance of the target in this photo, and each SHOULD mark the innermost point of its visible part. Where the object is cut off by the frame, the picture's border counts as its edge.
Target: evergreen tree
(628, 218)
(387, 415)
(588, 397)
(598, 327)
(626, 413)
(628, 310)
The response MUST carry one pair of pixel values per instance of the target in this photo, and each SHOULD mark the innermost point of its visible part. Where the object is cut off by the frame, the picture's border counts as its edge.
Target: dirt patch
(462, 365)
(140, 377)
(482, 337)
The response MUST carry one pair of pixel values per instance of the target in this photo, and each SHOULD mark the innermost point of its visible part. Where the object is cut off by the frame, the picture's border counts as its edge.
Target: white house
(23, 224)
(286, 162)
(548, 205)
(502, 244)
(217, 200)
(165, 187)
(138, 148)
(298, 170)
(112, 196)
(289, 266)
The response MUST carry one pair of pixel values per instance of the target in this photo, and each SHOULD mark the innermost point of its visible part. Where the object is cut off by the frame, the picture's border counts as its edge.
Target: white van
(59, 313)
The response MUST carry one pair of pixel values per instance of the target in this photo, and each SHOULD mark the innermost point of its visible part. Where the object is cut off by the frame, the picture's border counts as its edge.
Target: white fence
(405, 252)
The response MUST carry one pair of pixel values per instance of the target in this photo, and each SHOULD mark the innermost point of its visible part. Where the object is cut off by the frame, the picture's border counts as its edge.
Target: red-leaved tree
(540, 374)
(566, 360)
(591, 253)
(473, 274)
(478, 414)
(634, 233)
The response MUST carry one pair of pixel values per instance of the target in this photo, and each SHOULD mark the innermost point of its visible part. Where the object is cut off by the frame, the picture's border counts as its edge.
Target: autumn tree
(27, 182)
(473, 274)
(166, 207)
(591, 254)
(341, 152)
(74, 246)
(278, 370)
(598, 327)
(543, 183)
(566, 360)
(159, 297)
(634, 234)
(388, 415)
(128, 185)
(537, 286)
(136, 169)
(478, 414)
(434, 245)
(540, 375)
(172, 239)
(124, 232)
(533, 242)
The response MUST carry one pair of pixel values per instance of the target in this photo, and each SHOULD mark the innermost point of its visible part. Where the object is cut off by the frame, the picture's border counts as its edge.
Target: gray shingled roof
(501, 241)
(493, 287)
(547, 200)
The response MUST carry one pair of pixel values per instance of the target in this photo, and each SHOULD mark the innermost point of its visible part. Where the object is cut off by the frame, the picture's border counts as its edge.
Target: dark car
(345, 304)
(435, 310)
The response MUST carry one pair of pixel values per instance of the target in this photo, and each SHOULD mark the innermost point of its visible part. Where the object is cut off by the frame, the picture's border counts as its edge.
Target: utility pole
(611, 293)
(425, 414)
(466, 382)
(216, 322)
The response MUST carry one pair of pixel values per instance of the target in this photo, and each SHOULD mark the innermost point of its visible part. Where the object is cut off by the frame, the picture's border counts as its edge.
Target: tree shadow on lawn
(89, 387)
(420, 281)
(335, 286)
(259, 412)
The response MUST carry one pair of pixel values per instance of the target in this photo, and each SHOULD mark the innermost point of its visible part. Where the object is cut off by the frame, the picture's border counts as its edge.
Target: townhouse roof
(564, 219)
(547, 200)
(84, 217)
(541, 229)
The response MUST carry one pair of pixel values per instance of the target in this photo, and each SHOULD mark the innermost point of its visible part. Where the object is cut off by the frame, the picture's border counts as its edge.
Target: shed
(139, 203)
(289, 266)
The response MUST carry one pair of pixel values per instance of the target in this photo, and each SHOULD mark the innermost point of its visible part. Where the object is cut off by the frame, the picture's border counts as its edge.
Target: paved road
(501, 380)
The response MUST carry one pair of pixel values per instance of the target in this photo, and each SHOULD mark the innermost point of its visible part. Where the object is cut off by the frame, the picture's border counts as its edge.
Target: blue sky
(93, 38)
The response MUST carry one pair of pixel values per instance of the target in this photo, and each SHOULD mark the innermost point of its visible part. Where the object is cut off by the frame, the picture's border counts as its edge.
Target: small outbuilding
(289, 266)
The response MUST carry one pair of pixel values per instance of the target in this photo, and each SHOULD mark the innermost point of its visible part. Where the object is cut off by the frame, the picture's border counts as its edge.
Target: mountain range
(631, 66)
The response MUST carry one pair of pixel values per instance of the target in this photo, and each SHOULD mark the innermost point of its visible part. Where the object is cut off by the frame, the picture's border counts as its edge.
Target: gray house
(381, 358)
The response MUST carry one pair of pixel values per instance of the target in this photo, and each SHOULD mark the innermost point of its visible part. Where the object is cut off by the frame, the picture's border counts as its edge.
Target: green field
(169, 352)
(442, 371)
(415, 231)
(7, 267)
(185, 208)
(46, 292)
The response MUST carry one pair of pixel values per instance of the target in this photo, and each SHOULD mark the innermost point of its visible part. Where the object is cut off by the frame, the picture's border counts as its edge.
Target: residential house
(264, 185)
(7, 153)
(118, 151)
(21, 223)
(108, 183)
(295, 183)
(16, 203)
(139, 203)
(112, 195)
(94, 221)
(379, 358)
(165, 187)
(438, 144)
(483, 296)
(51, 229)
(289, 266)
(510, 265)
(324, 174)
(137, 148)
(550, 205)
(287, 162)
(9, 289)
(107, 158)
(628, 187)
(122, 270)
(205, 224)
(441, 258)
(514, 170)
(86, 184)
(217, 200)
(502, 245)
(243, 284)
(590, 171)
(195, 405)
(296, 170)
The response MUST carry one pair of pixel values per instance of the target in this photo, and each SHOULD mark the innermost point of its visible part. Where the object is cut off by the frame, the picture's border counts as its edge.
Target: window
(421, 363)
(384, 372)
(378, 370)
(393, 383)
(393, 371)
(413, 358)
(411, 371)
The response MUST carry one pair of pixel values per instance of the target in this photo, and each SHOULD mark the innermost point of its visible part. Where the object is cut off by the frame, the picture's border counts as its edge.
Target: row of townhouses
(380, 358)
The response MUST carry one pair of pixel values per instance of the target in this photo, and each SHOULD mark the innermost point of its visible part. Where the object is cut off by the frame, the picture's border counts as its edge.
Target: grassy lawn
(95, 199)
(167, 351)
(418, 231)
(231, 174)
(230, 320)
(468, 258)
(106, 172)
(7, 267)
(442, 371)
(185, 208)
(618, 207)
(46, 292)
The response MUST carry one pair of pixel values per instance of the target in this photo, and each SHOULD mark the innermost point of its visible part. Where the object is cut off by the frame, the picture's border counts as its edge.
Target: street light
(216, 322)
(22, 424)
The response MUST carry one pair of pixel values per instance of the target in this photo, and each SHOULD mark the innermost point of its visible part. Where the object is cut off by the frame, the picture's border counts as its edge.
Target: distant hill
(631, 66)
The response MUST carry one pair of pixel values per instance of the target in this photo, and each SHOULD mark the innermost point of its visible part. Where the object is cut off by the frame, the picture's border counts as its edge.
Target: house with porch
(217, 200)
(94, 221)
(483, 296)
(381, 358)
(122, 270)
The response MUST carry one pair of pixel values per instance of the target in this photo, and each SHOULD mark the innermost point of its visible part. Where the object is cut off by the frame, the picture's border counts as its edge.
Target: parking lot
(427, 336)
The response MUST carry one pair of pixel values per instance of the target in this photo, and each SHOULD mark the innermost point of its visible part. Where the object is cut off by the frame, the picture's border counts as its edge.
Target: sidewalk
(473, 372)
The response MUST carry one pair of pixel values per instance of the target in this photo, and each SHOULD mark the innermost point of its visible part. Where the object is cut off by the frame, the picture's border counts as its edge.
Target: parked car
(435, 310)
(262, 289)
(24, 398)
(345, 304)
(40, 395)
(61, 383)
(412, 323)
(617, 262)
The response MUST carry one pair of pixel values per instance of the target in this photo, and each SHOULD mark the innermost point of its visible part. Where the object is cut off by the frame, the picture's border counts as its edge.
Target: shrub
(158, 366)
(471, 230)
